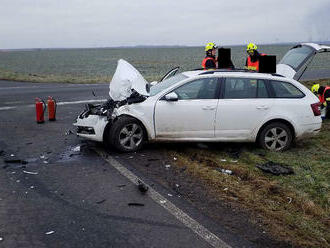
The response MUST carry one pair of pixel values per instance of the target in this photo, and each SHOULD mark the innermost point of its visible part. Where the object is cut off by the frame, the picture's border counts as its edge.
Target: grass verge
(54, 78)
(293, 208)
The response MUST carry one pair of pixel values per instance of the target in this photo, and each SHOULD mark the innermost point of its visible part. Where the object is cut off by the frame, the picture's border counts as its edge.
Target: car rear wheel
(276, 136)
(127, 134)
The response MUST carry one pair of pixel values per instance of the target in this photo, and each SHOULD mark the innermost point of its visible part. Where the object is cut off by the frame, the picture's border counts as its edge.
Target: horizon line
(155, 46)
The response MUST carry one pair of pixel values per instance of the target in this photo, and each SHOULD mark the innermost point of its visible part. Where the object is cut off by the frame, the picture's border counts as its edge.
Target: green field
(98, 65)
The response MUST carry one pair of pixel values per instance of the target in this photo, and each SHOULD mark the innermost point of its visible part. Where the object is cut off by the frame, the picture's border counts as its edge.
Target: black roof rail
(235, 70)
(226, 70)
(277, 75)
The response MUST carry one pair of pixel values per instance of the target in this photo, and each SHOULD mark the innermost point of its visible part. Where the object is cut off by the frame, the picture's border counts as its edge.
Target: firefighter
(252, 61)
(323, 93)
(210, 61)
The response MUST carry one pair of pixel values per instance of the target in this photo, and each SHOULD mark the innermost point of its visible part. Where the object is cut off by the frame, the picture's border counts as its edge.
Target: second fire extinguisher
(51, 103)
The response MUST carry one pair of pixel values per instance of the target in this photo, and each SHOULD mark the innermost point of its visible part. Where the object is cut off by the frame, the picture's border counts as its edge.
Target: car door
(243, 106)
(170, 73)
(192, 114)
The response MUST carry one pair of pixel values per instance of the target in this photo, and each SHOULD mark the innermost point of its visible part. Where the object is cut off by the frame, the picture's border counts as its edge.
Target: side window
(241, 88)
(285, 90)
(205, 88)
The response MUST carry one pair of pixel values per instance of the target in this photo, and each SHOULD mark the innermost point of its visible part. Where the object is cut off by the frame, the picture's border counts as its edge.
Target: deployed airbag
(125, 81)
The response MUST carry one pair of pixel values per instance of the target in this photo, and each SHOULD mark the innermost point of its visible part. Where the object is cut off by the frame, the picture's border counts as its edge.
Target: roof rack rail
(227, 70)
(236, 70)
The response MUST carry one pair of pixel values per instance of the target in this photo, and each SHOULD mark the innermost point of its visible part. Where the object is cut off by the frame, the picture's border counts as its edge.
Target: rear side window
(241, 88)
(285, 90)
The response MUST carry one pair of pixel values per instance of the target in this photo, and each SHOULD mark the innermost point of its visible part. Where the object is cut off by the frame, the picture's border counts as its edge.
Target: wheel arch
(110, 123)
(286, 122)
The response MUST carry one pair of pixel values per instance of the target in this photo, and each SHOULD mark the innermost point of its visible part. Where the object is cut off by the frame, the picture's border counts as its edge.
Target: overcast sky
(106, 23)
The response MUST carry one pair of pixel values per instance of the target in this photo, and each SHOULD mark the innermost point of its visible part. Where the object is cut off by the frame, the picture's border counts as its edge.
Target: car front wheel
(127, 135)
(276, 136)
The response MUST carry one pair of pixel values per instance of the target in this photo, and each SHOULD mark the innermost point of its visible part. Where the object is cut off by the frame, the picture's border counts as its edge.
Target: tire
(276, 136)
(127, 135)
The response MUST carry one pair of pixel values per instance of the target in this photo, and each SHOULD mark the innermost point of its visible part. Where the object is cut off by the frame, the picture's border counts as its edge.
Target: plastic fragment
(68, 132)
(100, 202)
(162, 201)
(76, 149)
(227, 172)
(167, 166)
(136, 204)
(50, 232)
(30, 172)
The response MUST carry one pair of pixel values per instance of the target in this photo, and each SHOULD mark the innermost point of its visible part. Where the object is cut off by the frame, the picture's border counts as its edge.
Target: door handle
(208, 108)
(263, 107)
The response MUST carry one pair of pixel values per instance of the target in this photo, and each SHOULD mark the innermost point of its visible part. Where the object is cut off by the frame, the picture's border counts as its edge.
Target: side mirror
(172, 97)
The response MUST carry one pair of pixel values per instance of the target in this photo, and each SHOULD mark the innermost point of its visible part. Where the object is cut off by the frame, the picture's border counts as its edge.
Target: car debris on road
(224, 171)
(142, 187)
(275, 168)
(30, 172)
(136, 204)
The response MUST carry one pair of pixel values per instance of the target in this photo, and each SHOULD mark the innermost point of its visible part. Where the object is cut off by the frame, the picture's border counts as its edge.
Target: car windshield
(296, 56)
(154, 90)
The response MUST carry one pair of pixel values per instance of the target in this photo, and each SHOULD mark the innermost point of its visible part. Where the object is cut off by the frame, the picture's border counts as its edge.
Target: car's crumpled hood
(125, 80)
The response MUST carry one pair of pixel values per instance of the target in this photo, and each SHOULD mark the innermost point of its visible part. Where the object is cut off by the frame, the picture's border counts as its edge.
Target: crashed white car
(206, 106)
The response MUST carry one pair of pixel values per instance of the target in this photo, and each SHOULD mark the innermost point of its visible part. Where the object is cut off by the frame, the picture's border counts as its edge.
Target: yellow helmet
(210, 46)
(315, 88)
(251, 46)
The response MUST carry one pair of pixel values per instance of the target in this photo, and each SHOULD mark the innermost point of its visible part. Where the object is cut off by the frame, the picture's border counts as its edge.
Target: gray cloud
(85, 23)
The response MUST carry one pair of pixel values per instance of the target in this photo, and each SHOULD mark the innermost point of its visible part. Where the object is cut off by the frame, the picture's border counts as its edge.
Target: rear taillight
(316, 107)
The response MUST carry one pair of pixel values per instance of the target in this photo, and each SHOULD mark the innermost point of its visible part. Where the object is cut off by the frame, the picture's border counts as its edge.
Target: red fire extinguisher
(40, 110)
(51, 103)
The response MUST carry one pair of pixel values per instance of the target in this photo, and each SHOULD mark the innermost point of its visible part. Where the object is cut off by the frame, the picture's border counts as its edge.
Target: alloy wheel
(131, 136)
(276, 139)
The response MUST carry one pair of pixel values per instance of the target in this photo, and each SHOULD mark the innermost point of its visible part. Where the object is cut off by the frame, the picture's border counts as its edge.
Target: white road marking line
(47, 86)
(192, 224)
(7, 108)
(58, 103)
(77, 102)
(12, 103)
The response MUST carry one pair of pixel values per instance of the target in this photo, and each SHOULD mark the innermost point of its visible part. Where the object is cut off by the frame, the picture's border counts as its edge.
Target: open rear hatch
(304, 61)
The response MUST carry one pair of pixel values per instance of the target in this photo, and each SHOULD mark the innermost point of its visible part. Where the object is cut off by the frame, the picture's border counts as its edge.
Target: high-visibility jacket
(206, 59)
(322, 97)
(253, 65)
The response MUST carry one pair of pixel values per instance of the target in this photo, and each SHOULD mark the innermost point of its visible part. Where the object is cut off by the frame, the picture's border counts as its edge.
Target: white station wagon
(203, 106)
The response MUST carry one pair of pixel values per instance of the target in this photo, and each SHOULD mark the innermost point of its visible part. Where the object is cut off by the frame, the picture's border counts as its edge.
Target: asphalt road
(65, 197)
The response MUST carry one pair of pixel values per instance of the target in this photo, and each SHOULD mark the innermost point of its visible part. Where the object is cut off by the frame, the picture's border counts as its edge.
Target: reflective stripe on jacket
(206, 59)
(322, 97)
(253, 65)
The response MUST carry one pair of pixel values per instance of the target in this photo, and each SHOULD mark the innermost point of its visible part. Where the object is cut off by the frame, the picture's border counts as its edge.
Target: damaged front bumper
(91, 127)
(92, 122)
